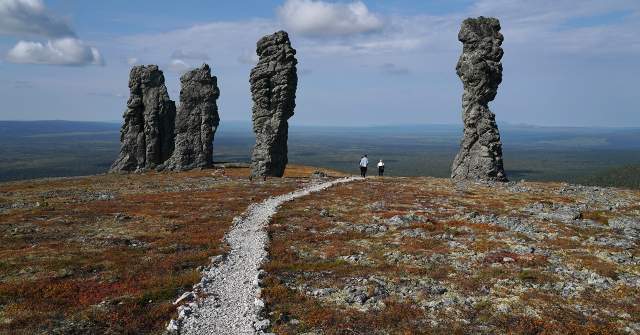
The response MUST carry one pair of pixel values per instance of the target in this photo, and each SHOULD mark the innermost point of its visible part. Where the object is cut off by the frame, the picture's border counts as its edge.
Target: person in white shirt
(380, 168)
(364, 161)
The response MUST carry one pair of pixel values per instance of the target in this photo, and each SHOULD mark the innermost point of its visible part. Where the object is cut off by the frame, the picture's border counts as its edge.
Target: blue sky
(567, 62)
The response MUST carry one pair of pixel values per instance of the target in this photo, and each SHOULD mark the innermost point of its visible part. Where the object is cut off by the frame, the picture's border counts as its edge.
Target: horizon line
(370, 125)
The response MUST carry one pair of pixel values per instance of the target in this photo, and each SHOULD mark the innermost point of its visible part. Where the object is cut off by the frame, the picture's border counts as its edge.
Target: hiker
(364, 161)
(380, 168)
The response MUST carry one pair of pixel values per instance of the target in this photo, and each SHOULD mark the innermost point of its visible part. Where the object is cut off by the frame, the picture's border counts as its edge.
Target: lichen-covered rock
(147, 133)
(479, 68)
(196, 122)
(273, 86)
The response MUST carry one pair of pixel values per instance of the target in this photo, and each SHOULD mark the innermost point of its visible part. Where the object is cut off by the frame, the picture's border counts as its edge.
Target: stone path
(228, 295)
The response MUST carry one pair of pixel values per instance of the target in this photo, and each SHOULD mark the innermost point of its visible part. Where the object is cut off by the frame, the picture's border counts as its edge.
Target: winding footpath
(227, 299)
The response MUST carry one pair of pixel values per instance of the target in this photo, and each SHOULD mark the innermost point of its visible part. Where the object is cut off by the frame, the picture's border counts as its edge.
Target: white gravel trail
(228, 295)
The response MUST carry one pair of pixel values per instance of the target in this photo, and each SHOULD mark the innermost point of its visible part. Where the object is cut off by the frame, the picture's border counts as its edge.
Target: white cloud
(30, 17)
(178, 65)
(399, 44)
(64, 51)
(552, 24)
(227, 39)
(132, 61)
(401, 35)
(545, 12)
(189, 54)
(231, 45)
(547, 40)
(319, 18)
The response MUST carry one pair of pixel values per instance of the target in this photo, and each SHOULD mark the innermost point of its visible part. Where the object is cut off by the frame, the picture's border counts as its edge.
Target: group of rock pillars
(157, 136)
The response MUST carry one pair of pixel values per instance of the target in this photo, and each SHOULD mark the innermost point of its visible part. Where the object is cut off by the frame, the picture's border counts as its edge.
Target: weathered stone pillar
(479, 68)
(196, 122)
(273, 87)
(147, 133)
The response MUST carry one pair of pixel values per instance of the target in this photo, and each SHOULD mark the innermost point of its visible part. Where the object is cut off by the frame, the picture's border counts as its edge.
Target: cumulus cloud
(319, 18)
(64, 51)
(132, 61)
(30, 17)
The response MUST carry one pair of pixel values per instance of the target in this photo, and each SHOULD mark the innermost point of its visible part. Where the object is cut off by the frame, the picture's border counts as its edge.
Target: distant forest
(595, 156)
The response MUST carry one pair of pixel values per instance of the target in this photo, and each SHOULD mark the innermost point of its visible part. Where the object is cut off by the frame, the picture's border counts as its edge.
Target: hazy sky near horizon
(567, 62)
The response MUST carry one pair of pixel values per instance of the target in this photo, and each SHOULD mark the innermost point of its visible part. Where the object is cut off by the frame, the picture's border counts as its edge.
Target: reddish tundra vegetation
(110, 253)
(424, 255)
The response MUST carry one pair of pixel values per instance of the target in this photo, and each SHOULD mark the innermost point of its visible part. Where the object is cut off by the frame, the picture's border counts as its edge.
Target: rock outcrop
(273, 86)
(196, 122)
(479, 68)
(147, 134)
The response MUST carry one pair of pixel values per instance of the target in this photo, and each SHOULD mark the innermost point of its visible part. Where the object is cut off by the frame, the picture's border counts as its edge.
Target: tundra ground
(110, 253)
(424, 255)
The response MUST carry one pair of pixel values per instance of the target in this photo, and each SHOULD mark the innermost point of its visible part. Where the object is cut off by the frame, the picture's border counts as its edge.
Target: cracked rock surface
(273, 87)
(196, 122)
(147, 133)
(480, 70)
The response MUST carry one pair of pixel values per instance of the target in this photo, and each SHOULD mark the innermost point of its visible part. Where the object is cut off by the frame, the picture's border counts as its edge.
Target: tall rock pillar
(196, 122)
(273, 87)
(147, 133)
(479, 68)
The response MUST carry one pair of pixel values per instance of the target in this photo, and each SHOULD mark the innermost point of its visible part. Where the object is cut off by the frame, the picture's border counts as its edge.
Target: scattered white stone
(185, 296)
(173, 327)
(503, 308)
